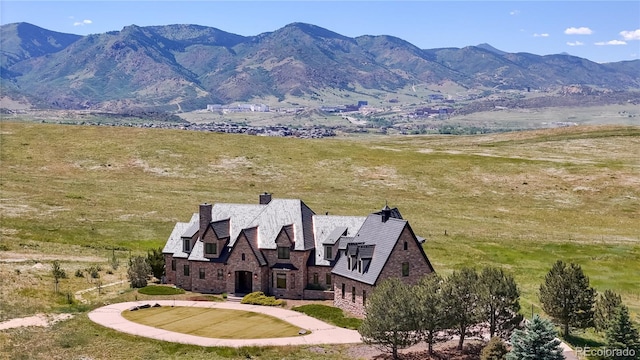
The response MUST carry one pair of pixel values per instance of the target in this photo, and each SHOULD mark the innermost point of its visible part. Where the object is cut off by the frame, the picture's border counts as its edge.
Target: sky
(601, 31)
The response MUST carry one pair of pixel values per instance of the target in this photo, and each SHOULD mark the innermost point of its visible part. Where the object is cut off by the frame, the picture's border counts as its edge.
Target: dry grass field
(516, 200)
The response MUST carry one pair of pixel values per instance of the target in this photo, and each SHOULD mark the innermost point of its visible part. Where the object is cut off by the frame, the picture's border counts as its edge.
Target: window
(406, 245)
(353, 294)
(405, 269)
(343, 290)
(360, 265)
(243, 257)
(173, 264)
(364, 297)
(283, 252)
(293, 281)
(210, 248)
(328, 279)
(349, 262)
(220, 274)
(186, 245)
(201, 273)
(281, 281)
(315, 279)
(328, 253)
(185, 270)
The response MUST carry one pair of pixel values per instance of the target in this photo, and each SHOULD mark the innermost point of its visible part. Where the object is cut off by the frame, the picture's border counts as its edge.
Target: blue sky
(601, 31)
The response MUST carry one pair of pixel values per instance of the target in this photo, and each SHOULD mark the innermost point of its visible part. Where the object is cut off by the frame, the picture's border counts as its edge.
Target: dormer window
(360, 266)
(283, 252)
(186, 245)
(210, 248)
(328, 253)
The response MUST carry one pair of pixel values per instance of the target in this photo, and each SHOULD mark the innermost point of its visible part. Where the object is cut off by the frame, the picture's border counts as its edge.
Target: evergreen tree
(138, 272)
(537, 341)
(607, 305)
(429, 310)
(495, 350)
(461, 300)
(155, 259)
(567, 297)
(500, 301)
(389, 323)
(621, 334)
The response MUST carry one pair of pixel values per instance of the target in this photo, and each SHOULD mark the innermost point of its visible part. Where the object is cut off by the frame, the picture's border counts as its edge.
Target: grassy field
(516, 200)
(213, 323)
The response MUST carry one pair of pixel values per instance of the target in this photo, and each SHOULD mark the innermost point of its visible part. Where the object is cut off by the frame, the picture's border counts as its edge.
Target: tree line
(470, 302)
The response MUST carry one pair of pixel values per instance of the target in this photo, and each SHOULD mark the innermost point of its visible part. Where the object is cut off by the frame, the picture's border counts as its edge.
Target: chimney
(205, 218)
(386, 213)
(265, 198)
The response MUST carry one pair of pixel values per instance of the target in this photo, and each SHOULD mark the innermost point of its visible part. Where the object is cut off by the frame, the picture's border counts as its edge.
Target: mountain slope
(185, 67)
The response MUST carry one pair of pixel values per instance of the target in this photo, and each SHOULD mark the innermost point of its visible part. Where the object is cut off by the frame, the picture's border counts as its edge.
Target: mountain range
(185, 67)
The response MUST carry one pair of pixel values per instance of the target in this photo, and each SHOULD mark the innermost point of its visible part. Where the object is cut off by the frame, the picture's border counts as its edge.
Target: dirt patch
(16, 257)
(42, 320)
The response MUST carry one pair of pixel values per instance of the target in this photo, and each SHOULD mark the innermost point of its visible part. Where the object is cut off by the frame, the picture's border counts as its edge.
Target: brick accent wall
(322, 272)
(169, 273)
(296, 279)
(418, 266)
(212, 282)
(235, 263)
(183, 281)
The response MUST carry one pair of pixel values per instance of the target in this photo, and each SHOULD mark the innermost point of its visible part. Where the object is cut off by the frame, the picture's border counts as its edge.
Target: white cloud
(612, 42)
(577, 43)
(578, 31)
(514, 12)
(541, 35)
(82, 23)
(631, 35)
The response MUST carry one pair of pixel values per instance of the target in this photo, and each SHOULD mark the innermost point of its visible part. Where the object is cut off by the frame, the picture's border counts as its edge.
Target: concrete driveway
(321, 333)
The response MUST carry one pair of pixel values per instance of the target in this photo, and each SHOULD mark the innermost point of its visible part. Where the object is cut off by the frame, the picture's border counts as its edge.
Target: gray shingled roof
(174, 243)
(197, 253)
(328, 227)
(221, 228)
(335, 235)
(384, 235)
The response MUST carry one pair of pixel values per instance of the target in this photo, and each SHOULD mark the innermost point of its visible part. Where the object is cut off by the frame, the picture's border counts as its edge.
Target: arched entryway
(244, 282)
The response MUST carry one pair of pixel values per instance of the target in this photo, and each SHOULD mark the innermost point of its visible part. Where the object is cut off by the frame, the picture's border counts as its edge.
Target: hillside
(186, 67)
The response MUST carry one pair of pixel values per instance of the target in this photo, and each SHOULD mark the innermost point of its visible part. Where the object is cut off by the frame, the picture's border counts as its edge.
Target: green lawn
(330, 314)
(160, 290)
(213, 323)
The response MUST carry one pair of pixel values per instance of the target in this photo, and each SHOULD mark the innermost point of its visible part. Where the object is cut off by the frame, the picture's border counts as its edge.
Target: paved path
(321, 333)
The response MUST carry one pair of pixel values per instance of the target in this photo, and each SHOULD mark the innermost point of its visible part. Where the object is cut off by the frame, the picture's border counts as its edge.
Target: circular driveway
(321, 333)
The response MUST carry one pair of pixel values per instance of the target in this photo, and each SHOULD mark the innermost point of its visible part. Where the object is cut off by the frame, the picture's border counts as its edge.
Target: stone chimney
(265, 198)
(205, 218)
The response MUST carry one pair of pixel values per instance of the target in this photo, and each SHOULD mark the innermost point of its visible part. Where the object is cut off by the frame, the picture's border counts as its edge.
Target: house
(281, 247)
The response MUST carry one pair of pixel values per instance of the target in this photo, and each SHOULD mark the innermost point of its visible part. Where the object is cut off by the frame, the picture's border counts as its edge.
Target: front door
(244, 282)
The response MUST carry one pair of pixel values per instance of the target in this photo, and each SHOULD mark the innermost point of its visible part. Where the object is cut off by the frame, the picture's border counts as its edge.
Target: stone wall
(183, 281)
(242, 258)
(318, 295)
(350, 301)
(215, 277)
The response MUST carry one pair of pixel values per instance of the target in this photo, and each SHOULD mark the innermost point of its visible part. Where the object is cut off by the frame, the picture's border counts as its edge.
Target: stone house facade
(281, 247)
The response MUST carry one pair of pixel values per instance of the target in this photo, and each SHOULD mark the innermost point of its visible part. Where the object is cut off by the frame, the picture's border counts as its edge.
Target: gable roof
(221, 228)
(383, 235)
(251, 235)
(174, 243)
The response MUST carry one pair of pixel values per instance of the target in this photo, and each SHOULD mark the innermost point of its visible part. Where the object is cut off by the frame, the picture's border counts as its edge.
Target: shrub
(160, 290)
(495, 350)
(79, 273)
(259, 298)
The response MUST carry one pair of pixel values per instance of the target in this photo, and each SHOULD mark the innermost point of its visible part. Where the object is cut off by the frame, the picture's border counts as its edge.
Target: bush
(495, 350)
(79, 273)
(315, 287)
(160, 290)
(259, 298)
(330, 314)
